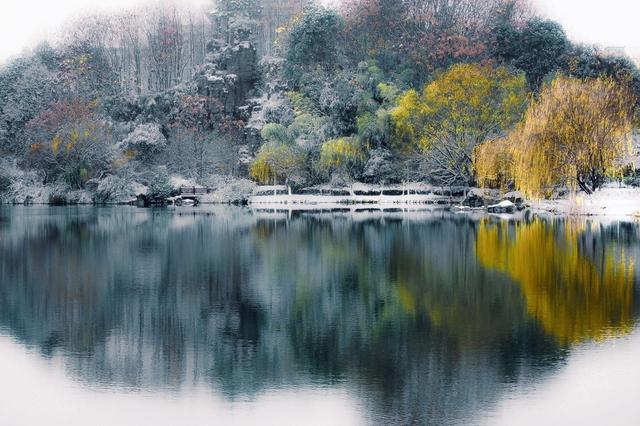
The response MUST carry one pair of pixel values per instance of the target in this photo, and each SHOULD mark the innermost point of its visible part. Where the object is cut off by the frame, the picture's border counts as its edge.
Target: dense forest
(471, 92)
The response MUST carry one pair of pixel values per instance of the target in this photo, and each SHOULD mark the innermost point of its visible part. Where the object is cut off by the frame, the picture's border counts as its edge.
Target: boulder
(475, 198)
(516, 198)
(505, 206)
(478, 197)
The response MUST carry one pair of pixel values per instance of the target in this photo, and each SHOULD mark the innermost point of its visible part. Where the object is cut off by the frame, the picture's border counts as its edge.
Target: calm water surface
(227, 316)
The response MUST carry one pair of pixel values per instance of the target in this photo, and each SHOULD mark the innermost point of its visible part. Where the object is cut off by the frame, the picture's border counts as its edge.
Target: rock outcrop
(478, 197)
(228, 80)
(229, 77)
(517, 198)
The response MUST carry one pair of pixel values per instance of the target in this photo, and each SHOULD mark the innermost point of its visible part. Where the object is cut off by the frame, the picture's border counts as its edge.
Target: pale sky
(609, 23)
(24, 23)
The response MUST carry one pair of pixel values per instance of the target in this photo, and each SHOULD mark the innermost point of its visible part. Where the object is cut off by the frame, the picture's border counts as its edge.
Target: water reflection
(424, 317)
(577, 286)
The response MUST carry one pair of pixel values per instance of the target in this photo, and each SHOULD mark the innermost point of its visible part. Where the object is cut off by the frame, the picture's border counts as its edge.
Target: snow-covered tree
(144, 142)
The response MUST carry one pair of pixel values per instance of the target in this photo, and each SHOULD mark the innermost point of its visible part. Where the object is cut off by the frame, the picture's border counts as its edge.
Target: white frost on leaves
(140, 189)
(146, 137)
(228, 190)
(267, 102)
(215, 79)
(177, 181)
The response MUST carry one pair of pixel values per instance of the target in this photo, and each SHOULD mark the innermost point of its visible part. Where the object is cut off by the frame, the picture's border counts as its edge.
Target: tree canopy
(288, 91)
(456, 112)
(575, 134)
(277, 163)
(313, 42)
(538, 49)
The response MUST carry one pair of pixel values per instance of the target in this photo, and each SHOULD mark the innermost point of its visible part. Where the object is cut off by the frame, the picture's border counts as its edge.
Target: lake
(224, 315)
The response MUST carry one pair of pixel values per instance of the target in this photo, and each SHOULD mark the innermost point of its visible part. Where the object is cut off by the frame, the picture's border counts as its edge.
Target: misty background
(610, 24)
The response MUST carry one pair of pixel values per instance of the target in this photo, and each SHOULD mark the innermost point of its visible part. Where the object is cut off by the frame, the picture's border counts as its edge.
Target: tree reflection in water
(427, 317)
(576, 285)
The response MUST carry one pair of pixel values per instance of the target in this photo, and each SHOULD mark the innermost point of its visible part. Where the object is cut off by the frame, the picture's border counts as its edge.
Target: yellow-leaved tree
(493, 162)
(455, 113)
(574, 135)
(277, 163)
(342, 156)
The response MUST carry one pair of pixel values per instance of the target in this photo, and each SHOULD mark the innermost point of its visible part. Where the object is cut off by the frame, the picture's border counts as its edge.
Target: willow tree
(575, 135)
(455, 113)
(494, 163)
(344, 156)
(277, 163)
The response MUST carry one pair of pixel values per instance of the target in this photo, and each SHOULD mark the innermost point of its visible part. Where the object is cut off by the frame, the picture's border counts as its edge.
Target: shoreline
(609, 202)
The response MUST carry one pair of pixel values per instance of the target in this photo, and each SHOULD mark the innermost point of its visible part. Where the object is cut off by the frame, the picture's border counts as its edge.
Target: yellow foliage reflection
(574, 296)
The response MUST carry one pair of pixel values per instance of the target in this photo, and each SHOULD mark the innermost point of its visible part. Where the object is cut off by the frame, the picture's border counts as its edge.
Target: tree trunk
(584, 187)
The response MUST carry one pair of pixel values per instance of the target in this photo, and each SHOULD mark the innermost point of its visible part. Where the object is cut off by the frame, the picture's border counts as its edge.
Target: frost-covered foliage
(575, 135)
(310, 130)
(18, 186)
(83, 115)
(26, 88)
(198, 154)
(381, 168)
(69, 141)
(229, 190)
(455, 113)
(25, 187)
(144, 142)
(5, 179)
(280, 113)
(539, 48)
(278, 92)
(314, 42)
(342, 156)
(115, 189)
(277, 133)
(633, 179)
(160, 184)
(63, 195)
(278, 163)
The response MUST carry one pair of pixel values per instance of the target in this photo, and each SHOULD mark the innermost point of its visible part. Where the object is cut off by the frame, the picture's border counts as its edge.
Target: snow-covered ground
(610, 201)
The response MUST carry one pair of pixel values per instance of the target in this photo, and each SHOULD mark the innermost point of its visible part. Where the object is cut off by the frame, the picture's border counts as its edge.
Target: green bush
(633, 179)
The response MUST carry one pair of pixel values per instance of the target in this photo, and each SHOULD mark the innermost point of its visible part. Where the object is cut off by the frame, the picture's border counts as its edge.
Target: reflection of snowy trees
(398, 309)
